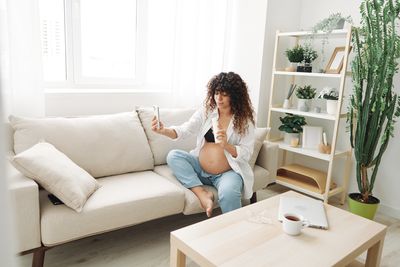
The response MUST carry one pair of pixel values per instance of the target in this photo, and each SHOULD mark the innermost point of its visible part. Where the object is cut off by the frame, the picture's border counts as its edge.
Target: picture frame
(312, 137)
(335, 63)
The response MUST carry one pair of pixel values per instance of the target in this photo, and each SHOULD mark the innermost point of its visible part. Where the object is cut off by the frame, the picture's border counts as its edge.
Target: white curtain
(201, 28)
(20, 58)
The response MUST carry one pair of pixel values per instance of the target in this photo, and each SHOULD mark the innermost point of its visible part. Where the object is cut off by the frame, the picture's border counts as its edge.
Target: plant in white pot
(295, 56)
(292, 127)
(374, 106)
(305, 94)
(331, 95)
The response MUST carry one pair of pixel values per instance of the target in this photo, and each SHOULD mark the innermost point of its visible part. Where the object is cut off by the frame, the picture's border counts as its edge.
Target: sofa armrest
(24, 201)
(268, 158)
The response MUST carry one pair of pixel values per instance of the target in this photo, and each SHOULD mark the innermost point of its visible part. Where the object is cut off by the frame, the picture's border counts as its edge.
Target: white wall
(279, 17)
(246, 44)
(78, 104)
(387, 183)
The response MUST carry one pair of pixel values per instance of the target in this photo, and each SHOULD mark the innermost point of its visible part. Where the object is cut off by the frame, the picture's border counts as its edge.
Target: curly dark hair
(241, 107)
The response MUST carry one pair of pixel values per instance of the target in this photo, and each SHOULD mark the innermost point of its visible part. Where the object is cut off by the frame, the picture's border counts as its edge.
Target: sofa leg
(253, 198)
(38, 257)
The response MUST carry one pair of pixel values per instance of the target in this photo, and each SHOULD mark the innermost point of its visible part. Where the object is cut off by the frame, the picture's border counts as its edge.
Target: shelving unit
(318, 184)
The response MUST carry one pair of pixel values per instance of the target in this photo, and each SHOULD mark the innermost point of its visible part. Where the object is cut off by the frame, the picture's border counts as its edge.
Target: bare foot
(208, 202)
(206, 199)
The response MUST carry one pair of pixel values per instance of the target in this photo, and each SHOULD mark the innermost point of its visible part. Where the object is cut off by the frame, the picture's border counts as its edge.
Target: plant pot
(292, 67)
(292, 139)
(286, 103)
(304, 68)
(340, 24)
(304, 104)
(366, 210)
(331, 106)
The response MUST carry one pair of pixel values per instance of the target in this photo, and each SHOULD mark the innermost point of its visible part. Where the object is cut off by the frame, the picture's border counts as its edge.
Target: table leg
(177, 258)
(374, 254)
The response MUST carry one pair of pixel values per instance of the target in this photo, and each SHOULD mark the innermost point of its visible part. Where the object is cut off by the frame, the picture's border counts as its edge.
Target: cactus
(373, 105)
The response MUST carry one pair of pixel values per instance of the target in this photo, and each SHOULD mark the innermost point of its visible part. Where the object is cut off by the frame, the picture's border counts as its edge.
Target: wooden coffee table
(244, 238)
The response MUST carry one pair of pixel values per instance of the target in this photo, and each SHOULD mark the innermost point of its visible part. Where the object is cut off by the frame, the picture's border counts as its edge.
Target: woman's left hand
(221, 138)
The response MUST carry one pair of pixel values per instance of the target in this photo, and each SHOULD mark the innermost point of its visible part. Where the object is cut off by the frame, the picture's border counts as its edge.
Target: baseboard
(389, 211)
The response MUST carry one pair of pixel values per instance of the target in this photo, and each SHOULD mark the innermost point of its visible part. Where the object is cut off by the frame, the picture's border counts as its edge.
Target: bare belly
(212, 159)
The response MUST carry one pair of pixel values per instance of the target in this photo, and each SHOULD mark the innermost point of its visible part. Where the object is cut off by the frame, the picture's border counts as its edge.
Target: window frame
(75, 79)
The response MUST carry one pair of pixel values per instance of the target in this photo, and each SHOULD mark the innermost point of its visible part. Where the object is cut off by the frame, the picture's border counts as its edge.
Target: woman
(222, 152)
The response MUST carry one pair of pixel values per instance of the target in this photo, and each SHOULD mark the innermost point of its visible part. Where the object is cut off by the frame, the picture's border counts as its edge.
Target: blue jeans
(188, 171)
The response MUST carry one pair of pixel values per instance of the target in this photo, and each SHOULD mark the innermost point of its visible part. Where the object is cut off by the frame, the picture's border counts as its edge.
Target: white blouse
(199, 124)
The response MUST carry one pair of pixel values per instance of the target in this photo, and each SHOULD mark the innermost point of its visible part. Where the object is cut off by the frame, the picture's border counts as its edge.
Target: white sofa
(128, 160)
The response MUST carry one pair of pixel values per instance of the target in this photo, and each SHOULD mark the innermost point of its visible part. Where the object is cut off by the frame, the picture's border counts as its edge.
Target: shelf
(342, 32)
(296, 178)
(303, 177)
(314, 153)
(307, 74)
(324, 116)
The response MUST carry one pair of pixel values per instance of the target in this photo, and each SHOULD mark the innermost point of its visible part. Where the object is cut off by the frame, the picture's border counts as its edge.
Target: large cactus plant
(373, 105)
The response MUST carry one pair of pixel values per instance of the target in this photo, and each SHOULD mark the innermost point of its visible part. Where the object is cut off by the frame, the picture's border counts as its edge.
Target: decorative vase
(304, 104)
(291, 139)
(286, 104)
(366, 210)
(331, 106)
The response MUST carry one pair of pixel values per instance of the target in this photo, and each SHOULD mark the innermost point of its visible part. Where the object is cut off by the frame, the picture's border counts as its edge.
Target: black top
(209, 136)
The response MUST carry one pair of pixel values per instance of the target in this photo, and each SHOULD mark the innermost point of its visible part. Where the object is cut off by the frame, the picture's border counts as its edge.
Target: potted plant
(295, 56)
(335, 21)
(374, 107)
(331, 95)
(292, 127)
(309, 55)
(305, 94)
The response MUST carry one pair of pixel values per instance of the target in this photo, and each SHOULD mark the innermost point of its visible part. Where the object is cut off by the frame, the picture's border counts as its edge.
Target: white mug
(215, 129)
(293, 223)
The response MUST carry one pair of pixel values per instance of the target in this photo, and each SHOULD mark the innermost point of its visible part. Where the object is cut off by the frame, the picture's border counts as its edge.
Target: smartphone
(55, 200)
(157, 114)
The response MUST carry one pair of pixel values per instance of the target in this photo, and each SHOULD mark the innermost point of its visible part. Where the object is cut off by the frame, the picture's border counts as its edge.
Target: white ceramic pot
(304, 104)
(292, 139)
(331, 106)
(286, 103)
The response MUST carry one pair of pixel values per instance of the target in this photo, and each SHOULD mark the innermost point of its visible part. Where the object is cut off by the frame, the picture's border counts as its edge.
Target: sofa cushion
(57, 174)
(261, 178)
(122, 200)
(260, 134)
(160, 144)
(192, 203)
(102, 145)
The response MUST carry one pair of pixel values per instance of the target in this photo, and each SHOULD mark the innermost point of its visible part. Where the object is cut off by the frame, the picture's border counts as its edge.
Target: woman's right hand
(154, 127)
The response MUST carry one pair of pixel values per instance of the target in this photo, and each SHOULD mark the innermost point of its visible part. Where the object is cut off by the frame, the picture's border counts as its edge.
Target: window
(132, 44)
(108, 43)
(53, 40)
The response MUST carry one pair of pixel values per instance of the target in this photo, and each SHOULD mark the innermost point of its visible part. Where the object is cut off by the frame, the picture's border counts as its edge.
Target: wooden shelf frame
(307, 74)
(322, 115)
(335, 119)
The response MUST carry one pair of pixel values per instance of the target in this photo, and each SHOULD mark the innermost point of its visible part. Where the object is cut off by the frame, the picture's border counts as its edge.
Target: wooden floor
(148, 244)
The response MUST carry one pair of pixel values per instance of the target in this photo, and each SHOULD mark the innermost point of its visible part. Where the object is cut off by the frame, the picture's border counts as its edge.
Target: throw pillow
(56, 173)
(260, 134)
(159, 144)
